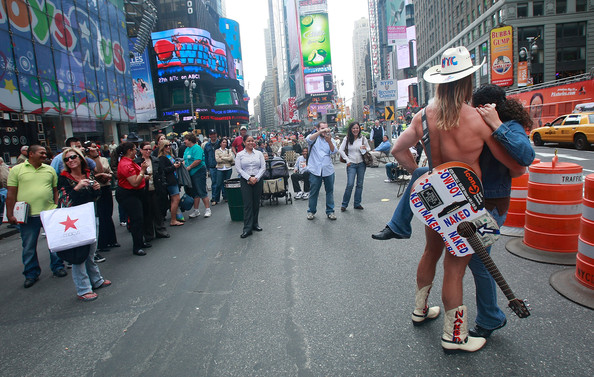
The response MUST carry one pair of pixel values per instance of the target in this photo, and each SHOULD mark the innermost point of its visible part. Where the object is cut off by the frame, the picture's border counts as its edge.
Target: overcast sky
(252, 16)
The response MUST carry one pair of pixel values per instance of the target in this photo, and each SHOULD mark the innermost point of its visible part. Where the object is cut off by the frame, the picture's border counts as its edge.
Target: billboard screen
(142, 85)
(230, 29)
(315, 43)
(396, 21)
(502, 56)
(186, 53)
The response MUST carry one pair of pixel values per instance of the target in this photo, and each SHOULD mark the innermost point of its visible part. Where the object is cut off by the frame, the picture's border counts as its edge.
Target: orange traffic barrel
(578, 284)
(553, 213)
(515, 219)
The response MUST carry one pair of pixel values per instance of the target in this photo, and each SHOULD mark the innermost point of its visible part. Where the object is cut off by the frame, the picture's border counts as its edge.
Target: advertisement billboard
(142, 85)
(186, 53)
(403, 92)
(396, 22)
(546, 104)
(312, 6)
(502, 56)
(62, 59)
(318, 83)
(230, 29)
(315, 43)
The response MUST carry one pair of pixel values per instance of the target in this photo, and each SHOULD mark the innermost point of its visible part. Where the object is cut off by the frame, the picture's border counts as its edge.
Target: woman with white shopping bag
(77, 186)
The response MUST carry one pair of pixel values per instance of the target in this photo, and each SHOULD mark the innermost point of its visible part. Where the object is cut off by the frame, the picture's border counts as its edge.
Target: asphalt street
(302, 298)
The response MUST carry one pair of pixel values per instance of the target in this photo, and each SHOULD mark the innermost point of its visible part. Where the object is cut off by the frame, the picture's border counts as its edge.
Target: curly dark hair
(507, 108)
(123, 148)
(350, 135)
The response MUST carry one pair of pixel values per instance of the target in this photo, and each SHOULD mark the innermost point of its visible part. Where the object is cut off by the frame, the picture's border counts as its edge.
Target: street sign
(366, 109)
(389, 113)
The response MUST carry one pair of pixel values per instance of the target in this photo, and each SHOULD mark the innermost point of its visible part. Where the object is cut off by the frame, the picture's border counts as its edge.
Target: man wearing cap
(209, 158)
(456, 133)
(237, 145)
(23, 156)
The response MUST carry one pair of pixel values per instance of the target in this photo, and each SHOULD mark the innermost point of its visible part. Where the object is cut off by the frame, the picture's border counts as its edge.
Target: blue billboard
(142, 85)
(186, 53)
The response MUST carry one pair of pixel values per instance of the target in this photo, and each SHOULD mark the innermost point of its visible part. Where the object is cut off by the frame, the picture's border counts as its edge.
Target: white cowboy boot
(455, 333)
(422, 312)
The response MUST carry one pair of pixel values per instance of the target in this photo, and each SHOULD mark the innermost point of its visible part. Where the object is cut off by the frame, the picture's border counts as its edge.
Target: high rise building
(363, 87)
(194, 66)
(554, 37)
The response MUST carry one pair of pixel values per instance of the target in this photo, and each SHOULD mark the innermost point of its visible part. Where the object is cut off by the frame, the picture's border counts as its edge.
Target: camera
(91, 182)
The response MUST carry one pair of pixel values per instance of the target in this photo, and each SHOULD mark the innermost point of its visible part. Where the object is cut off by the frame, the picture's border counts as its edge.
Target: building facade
(64, 71)
(363, 87)
(558, 36)
(197, 82)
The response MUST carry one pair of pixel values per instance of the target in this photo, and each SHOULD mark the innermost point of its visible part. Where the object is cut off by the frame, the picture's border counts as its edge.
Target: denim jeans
(86, 275)
(213, 181)
(352, 171)
(221, 176)
(489, 315)
(315, 183)
(400, 222)
(29, 236)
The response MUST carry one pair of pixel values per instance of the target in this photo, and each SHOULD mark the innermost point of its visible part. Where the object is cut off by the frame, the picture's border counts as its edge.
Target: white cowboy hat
(455, 64)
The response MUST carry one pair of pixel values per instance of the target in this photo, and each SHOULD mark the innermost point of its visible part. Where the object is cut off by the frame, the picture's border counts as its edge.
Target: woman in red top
(131, 182)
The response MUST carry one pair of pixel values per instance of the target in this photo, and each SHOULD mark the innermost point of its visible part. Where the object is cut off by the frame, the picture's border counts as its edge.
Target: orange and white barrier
(516, 215)
(584, 267)
(553, 213)
(577, 284)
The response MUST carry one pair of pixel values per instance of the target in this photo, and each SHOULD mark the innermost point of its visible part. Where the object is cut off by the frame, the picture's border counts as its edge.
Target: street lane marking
(562, 156)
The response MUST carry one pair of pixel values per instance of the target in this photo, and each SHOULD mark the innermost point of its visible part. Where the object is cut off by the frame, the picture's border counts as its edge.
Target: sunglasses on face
(71, 158)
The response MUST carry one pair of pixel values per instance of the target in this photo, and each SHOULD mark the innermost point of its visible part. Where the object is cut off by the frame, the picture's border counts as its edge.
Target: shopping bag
(20, 211)
(70, 227)
(273, 186)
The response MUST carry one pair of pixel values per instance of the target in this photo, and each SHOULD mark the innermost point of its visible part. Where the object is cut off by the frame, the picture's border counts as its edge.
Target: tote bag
(70, 227)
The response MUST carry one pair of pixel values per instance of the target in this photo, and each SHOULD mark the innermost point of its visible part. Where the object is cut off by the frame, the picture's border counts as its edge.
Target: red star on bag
(69, 223)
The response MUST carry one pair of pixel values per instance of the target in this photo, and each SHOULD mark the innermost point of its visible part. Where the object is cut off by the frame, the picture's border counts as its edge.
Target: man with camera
(320, 169)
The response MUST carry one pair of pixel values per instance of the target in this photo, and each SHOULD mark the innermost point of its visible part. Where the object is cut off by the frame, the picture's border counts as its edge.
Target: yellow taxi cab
(576, 129)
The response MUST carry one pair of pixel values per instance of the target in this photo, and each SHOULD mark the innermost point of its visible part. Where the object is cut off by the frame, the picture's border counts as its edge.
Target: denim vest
(496, 178)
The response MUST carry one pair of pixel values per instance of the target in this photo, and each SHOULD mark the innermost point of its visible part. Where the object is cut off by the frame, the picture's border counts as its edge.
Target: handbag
(367, 159)
(70, 227)
(186, 202)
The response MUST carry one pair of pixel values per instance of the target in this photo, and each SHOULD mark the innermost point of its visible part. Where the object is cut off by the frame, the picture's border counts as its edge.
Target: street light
(191, 85)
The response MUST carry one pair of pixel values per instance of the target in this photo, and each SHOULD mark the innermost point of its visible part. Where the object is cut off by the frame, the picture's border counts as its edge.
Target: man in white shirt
(301, 174)
(321, 169)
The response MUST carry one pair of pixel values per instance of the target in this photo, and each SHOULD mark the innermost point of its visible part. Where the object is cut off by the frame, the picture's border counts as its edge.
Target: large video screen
(185, 53)
(315, 43)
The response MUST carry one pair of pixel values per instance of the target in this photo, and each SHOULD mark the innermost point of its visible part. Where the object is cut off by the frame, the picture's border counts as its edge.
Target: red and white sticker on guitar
(448, 195)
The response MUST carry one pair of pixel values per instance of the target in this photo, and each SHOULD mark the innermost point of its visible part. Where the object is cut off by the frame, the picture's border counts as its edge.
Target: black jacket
(168, 170)
(158, 175)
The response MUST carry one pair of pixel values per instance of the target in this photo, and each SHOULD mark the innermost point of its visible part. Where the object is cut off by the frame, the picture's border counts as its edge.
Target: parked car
(576, 129)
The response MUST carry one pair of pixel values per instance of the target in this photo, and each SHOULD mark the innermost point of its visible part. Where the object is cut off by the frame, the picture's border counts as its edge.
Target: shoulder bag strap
(425, 140)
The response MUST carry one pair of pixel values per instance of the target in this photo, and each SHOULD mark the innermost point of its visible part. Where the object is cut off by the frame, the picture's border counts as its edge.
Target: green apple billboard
(315, 43)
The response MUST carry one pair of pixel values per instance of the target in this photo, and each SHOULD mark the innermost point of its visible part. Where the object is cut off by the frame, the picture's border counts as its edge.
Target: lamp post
(191, 85)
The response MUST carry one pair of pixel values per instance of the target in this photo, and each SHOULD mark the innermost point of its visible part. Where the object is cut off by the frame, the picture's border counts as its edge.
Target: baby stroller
(276, 182)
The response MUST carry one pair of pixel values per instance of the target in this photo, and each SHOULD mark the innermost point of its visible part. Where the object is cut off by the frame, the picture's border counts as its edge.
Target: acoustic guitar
(450, 200)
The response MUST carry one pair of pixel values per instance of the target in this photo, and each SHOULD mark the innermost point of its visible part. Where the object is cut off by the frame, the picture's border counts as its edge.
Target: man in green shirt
(35, 183)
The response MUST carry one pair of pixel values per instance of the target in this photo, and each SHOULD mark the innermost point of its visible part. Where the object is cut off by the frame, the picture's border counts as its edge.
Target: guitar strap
(425, 140)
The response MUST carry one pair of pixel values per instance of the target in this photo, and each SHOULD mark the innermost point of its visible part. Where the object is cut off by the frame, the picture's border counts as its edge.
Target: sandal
(88, 296)
(176, 224)
(106, 283)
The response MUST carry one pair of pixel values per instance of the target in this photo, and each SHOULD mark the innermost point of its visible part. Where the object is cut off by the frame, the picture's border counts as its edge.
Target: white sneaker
(305, 196)
(389, 180)
(207, 213)
(310, 216)
(195, 213)
(299, 195)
